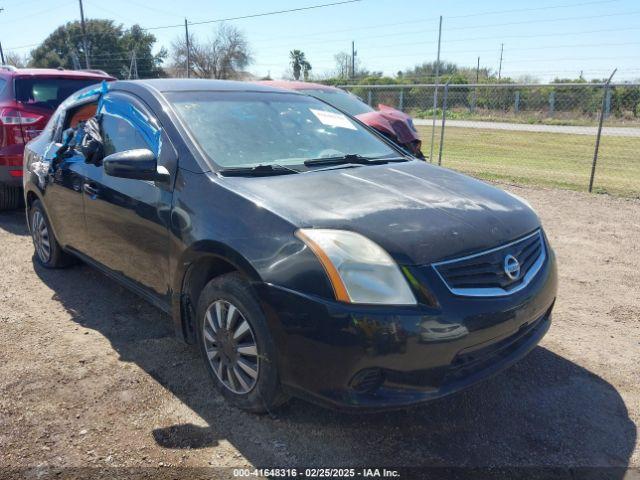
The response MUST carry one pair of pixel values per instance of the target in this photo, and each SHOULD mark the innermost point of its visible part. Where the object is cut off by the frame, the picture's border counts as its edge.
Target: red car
(393, 124)
(28, 97)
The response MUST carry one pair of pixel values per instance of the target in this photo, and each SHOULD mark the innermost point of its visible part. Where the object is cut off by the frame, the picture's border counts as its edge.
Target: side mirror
(139, 164)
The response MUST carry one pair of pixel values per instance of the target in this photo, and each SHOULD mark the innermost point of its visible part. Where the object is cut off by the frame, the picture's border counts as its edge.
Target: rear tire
(10, 197)
(47, 249)
(236, 345)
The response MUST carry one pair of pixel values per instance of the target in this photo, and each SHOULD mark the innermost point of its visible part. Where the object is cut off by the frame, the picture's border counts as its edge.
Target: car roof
(156, 86)
(297, 85)
(197, 84)
(54, 72)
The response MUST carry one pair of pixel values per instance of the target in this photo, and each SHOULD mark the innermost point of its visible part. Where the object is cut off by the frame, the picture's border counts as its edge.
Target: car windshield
(339, 99)
(244, 129)
(48, 92)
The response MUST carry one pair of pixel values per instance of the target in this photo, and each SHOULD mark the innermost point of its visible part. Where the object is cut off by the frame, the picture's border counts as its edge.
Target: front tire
(47, 249)
(236, 345)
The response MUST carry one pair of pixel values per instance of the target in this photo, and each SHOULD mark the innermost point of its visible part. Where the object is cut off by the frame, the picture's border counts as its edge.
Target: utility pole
(500, 68)
(75, 61)
(186, 35)
(353, 59)
(133, 68)
(135, 65)
(84, 37)
(599, 133)
(1, 52)
(475, 91)
(435, 91)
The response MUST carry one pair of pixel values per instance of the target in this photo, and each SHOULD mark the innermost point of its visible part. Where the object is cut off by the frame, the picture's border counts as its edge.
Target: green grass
(530, 118)
(547, 159)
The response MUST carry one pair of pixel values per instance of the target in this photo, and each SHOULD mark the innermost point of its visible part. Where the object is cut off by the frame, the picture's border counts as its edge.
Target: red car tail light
(12, 122)
(11, 160)
(12, 116)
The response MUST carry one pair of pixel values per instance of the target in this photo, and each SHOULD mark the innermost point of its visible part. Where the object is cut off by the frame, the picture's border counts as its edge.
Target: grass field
(548, 159)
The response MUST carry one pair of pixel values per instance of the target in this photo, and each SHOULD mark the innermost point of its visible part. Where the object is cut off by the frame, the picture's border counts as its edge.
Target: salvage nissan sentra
(301, 251)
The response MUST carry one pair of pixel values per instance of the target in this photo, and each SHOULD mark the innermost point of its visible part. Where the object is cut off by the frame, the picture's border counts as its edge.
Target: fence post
(607, 103)
(602, 113)
(516, 106)
(369, 97)
(401, 101)
(552, 103)
(444, 119)
(474, 100)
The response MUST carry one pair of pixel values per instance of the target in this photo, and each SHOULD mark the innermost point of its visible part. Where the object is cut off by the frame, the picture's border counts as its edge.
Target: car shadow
(14, 222)
(544, 411)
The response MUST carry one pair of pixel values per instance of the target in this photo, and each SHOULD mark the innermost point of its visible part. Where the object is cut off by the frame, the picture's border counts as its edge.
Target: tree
(343, 67)
(15, 59)
(343, 64)
(109, 47)
(137, 41)
(223, 57)
(299, 63)
(427, 71)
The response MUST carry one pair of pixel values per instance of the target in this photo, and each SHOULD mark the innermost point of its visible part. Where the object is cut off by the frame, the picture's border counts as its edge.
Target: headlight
(360, 271)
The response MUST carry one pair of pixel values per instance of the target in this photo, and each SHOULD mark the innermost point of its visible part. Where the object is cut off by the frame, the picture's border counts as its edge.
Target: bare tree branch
(223, 57)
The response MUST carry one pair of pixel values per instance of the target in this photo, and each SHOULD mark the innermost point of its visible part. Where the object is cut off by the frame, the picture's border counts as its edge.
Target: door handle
(90, 190)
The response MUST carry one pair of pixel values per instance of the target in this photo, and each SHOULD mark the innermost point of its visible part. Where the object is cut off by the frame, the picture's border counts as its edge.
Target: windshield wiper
(352, 158)
(262, 170)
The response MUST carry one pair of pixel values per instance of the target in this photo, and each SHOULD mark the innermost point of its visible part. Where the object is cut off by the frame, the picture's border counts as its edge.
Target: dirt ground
(90, 375)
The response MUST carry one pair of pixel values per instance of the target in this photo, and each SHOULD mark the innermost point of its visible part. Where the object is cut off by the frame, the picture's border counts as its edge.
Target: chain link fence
(527, 133)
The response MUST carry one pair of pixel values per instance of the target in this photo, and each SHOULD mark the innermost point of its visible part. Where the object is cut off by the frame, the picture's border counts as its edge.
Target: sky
(544, 39)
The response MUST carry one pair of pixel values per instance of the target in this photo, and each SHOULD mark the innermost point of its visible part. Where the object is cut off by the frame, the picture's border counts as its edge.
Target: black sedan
(302, 252)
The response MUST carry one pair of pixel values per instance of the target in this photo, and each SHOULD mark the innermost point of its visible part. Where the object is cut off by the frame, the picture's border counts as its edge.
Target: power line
(542, 35)
(409, 44)
(35, 14)
(550, 20)
(512, 50)
(422, 32)
(432, 19)
(534, 9)
(311, 7)
(255, 15)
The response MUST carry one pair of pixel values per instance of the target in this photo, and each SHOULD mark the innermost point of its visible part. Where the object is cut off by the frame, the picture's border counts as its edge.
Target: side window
(3, 83)
(78, 114)
(119, 135)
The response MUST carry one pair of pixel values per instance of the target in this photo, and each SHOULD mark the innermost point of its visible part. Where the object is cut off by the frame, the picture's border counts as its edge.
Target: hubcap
(40, 235)
(231, 347)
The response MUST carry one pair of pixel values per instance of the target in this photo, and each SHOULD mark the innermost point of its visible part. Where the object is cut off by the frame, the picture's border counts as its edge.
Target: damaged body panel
(255, 212)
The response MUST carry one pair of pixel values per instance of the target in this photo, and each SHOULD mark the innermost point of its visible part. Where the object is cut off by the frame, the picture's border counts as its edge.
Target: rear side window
(48, 92)
(81, 113)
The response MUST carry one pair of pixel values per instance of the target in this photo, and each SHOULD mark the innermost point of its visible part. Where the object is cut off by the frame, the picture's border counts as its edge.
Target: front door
(126, 219)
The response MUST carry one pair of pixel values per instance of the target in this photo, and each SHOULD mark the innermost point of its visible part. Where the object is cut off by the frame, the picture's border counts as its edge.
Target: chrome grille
(485, 273)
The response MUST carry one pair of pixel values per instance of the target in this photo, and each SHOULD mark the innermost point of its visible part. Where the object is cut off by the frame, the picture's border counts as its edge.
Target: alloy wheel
(231, 347)
(40, 234)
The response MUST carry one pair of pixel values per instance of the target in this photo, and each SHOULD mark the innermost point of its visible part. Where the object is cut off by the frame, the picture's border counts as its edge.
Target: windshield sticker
(333, 119)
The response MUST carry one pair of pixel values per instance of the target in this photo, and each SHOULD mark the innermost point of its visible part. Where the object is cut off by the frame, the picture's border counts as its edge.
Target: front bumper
(372, 357)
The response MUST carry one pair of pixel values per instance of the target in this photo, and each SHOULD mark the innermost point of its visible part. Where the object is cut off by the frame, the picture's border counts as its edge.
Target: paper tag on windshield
(333, 119)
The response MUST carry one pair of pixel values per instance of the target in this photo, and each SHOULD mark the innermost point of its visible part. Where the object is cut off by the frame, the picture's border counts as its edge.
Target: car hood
(391, 121)
(418, 212)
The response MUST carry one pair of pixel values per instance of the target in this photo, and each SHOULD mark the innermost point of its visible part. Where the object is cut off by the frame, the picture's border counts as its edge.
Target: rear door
(128, 220)
(63, 193)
